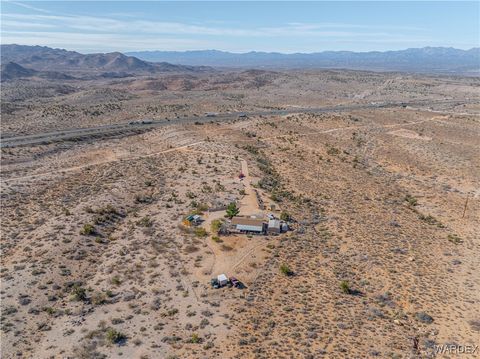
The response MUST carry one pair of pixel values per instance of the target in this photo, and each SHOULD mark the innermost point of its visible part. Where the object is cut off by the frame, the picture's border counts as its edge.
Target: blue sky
(89, 26)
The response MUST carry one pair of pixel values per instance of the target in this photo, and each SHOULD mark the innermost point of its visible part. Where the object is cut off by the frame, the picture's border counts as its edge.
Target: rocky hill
(42, 58)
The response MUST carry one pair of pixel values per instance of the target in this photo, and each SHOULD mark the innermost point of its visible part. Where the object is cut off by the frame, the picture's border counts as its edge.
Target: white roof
(274, 223)
(222, 277)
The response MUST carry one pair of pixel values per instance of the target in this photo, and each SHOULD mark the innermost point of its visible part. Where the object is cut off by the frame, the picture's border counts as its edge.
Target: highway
(122, 129)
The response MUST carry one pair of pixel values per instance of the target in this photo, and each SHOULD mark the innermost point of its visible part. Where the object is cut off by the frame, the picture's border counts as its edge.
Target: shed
(244, 224)
(274, 226)
(196, 219)
(222, 280)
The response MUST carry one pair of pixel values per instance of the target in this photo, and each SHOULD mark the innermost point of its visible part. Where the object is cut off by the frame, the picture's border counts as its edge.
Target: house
(274, 226)
(253, 225)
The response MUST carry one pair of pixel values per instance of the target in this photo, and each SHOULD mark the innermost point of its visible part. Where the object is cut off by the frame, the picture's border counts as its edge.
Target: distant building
(194, 219)
(274, 226)
(253, 225)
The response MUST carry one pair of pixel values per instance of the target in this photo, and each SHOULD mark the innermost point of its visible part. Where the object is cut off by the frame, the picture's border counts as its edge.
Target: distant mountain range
(40, 61)
(27, 61)
(427, 59)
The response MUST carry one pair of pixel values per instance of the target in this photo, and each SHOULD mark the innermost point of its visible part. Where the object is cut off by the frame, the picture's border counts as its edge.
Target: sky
(273, 26)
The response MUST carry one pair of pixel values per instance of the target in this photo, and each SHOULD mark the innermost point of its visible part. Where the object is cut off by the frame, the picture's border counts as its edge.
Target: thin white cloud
(121, 33)
(105, 24)
(30, 7)
(105, 42)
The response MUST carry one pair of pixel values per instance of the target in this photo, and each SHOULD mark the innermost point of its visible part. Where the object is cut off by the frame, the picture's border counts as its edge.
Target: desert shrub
(98, 299)
(208, 345)
(190, 249)
(87, 230)
(345, 287)
(454, 239)
(190, 195)
(252, 149)
(113, 336)
(285, 216)
(424, 317)
(145, 222)
(79, 293)
(333, 151)
(412, 201)
(216, 225)
(49, 310)
(216, 239)
(200, 232)
(285, 269)
(116, 280)
(431, 220)
(171, 312)
(140, 198)
(195, 339)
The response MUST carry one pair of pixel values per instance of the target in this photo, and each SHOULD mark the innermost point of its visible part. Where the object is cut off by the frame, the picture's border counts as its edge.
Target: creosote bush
(345, 287)
(87, 230)
(200, 232)
(79, 293)
(113, 336)
(285, 269)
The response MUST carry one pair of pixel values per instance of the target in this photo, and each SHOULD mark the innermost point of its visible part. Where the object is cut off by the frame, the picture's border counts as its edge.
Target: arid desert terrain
(382, 197)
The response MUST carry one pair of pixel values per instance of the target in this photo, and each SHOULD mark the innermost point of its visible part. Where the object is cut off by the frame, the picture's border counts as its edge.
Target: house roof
(274, 223)
(247, 221)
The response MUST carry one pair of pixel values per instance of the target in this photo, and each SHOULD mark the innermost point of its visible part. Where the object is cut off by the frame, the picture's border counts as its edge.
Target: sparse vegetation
(200, 232)
(79, 293)
(412, 201)
(345, 287)
(285, 216)
(113, 336)
(137, 271)
(454, 239)
(87, 230)
(285, 269)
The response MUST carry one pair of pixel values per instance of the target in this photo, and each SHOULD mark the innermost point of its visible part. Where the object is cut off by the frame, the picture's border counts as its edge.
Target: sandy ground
(384, 200)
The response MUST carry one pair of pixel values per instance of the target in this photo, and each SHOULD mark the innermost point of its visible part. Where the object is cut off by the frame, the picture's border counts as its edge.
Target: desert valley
(373, 178)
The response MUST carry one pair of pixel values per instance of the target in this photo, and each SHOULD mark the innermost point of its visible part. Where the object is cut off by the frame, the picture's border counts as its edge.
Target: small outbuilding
(194, 219)
(274, 226)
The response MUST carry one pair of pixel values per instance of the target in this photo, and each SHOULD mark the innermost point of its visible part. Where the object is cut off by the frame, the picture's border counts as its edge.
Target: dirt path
(117, 159)
(77, 168)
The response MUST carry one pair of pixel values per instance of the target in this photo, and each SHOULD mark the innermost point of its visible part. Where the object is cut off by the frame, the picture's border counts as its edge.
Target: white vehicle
(222, 280)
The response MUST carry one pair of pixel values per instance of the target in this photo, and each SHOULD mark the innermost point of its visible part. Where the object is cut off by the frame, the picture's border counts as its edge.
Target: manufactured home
(249, 225)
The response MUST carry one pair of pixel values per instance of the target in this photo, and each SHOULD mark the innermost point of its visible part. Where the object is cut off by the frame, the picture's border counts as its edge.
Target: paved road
(138, 127)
